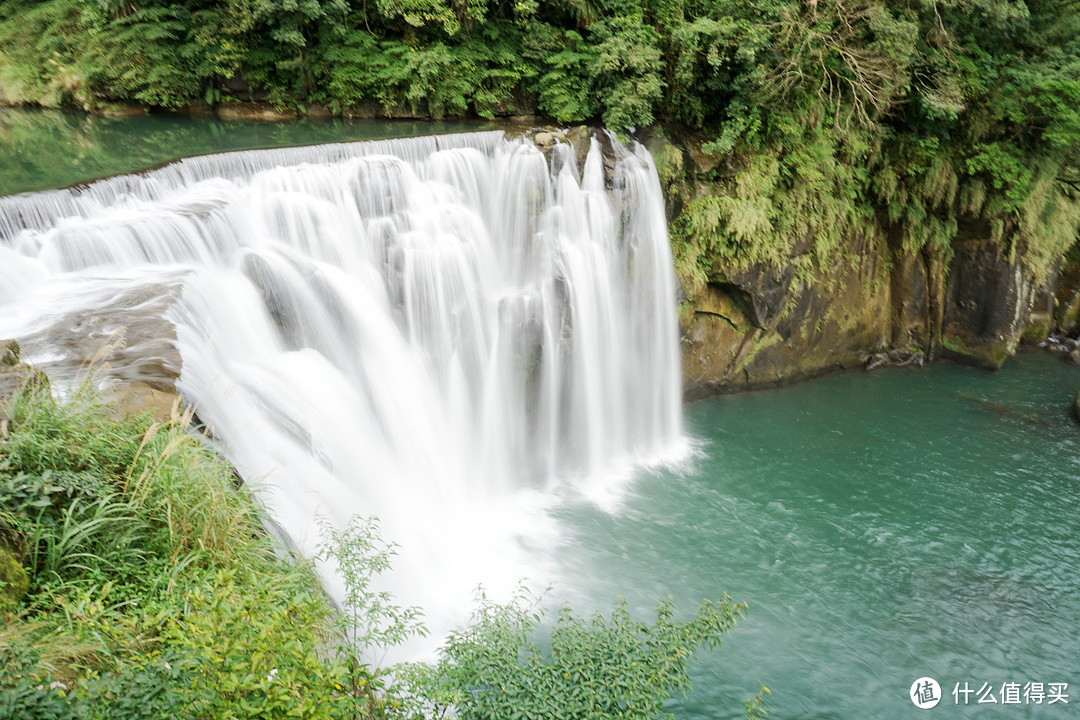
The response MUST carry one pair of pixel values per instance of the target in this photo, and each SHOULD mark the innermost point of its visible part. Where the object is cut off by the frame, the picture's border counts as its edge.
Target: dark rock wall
(988, 302)
(879, 305)
(763, 327)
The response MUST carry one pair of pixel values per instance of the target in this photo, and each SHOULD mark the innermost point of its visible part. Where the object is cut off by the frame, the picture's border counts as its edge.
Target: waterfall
(451, 333)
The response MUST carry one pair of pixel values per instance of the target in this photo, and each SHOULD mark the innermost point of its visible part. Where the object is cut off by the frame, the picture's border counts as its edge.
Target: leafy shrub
(24, 694)
(566, 91)
(147, 56)
(628, 67)
(600, 667)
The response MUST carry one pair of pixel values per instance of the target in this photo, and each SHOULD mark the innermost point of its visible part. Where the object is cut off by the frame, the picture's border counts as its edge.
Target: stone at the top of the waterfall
(580, 138)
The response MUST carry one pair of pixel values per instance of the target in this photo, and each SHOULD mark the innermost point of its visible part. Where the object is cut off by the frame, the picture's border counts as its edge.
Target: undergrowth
(155, 592)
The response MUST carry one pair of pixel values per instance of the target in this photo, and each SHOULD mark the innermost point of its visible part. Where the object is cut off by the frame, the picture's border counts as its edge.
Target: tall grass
(146, 555)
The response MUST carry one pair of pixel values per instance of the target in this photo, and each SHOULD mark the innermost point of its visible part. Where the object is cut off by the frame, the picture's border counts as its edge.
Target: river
(882, 526)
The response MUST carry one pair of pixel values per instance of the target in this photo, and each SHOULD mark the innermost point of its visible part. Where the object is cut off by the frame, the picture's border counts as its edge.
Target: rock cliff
(769, 323)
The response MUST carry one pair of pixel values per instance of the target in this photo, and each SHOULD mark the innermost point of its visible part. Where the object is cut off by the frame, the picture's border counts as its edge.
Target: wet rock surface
(988, 304)
(765, 327)
(881, 305)
(126, 328)
(125, 339)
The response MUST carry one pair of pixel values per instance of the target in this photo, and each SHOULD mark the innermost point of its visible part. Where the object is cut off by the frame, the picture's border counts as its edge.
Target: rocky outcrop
(988, 302)
(1066, 296)
(136, 377)
(767, 325)
(763, 327)
(129, 330)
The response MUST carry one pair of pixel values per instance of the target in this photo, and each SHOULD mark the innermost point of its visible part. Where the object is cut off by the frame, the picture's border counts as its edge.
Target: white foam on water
(451, 333)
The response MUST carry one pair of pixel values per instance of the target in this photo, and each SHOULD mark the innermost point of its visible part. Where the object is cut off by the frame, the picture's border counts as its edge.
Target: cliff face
(768, 324)
(763, 327)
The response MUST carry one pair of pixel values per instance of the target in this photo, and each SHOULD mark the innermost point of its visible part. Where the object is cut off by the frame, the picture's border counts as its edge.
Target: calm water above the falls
(43, 149)
(883, 527)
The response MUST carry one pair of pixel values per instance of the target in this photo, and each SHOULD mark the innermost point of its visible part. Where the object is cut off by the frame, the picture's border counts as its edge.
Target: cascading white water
(450, 333)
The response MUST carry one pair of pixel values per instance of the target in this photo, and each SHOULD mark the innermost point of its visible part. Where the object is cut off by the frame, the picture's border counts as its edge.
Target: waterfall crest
(447, 332)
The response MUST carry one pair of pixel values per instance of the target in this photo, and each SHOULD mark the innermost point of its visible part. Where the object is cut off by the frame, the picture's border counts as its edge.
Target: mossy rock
(978, 352)
(1038, 328)
(9, 353)
(13, 581)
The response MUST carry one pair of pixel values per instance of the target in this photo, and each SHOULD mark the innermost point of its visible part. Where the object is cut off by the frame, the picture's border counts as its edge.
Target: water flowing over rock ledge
(755, 326)
(448, 332)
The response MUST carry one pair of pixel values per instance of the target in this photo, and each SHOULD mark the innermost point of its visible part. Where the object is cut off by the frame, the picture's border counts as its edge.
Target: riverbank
(236, 110)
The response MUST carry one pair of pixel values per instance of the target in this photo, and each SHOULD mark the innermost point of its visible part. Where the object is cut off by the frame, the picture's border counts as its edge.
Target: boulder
(580, 138)
(135, 398)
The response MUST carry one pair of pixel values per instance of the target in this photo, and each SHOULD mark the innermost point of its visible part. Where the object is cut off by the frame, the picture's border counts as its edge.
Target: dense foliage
(601, 667)
(923, 119)
(153, 590)
(137, 582)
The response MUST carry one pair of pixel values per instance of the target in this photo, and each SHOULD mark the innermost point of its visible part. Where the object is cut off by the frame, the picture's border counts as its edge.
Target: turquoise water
(882, 526)
(42, 149)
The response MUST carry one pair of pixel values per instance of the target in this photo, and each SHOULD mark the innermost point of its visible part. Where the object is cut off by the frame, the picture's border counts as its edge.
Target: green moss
(671, 170)
(9, 353)
(13, 581)
(991, 356)
(799, 208)
(1037, 329)
(686, 313)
